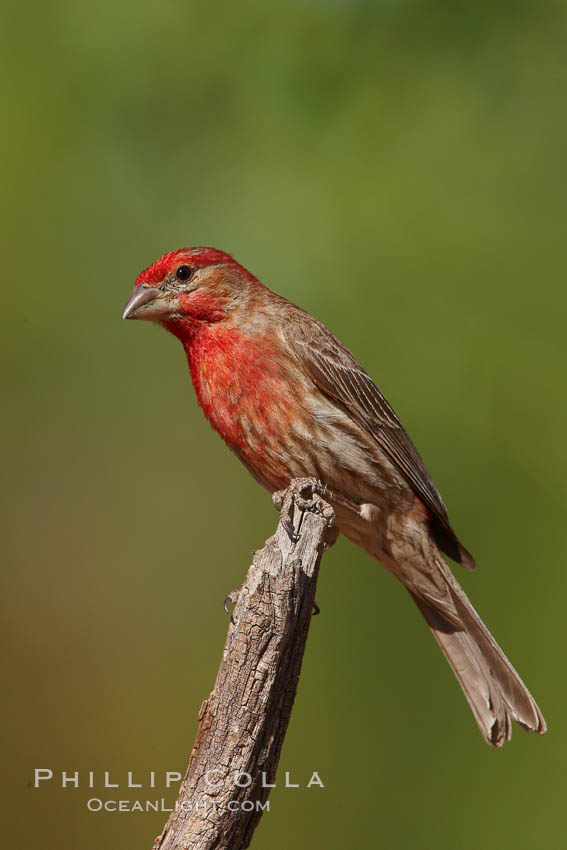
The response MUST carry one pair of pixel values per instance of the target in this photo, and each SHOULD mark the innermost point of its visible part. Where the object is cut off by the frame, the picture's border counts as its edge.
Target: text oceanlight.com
(205, 806)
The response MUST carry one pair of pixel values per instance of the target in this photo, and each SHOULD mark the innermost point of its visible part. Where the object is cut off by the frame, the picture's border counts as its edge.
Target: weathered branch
(243, 723)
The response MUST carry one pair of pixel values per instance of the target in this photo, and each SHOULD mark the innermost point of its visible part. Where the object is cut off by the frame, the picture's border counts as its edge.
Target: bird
(291, 401)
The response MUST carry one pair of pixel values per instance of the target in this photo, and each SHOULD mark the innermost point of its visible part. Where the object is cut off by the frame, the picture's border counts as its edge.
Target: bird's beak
(147, 302)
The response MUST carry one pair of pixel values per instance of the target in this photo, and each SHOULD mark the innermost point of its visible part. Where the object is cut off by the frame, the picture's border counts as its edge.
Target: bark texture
(242, 724)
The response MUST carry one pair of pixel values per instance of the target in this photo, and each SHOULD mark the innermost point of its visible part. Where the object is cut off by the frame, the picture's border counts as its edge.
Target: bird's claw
(305, 494)
(232, 598)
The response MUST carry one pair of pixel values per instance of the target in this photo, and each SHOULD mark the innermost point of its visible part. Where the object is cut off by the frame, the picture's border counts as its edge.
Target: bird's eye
(184, 273)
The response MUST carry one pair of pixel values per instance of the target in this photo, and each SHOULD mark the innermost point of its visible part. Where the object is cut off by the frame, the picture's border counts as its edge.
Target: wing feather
(341, 378)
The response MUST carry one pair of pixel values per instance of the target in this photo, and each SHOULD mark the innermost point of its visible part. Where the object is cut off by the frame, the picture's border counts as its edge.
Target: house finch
(291, 401)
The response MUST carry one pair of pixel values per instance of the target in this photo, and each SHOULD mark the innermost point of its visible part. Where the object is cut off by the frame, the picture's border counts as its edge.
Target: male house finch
(291, 401)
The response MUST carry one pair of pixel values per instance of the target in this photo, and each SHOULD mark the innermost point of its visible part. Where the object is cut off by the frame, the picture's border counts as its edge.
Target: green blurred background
(397, 168)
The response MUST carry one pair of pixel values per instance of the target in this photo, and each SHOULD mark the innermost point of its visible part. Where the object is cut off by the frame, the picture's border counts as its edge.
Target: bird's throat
(244, 393)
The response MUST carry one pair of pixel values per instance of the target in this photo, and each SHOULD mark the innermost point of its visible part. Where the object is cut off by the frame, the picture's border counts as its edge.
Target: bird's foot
(232, 598)
(331, 536)
(305, 494)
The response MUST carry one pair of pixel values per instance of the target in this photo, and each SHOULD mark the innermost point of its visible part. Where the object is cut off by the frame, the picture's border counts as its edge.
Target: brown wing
(341, 378)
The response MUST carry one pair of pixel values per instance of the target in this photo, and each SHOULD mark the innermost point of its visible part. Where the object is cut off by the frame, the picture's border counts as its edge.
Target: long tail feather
(495, 692)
